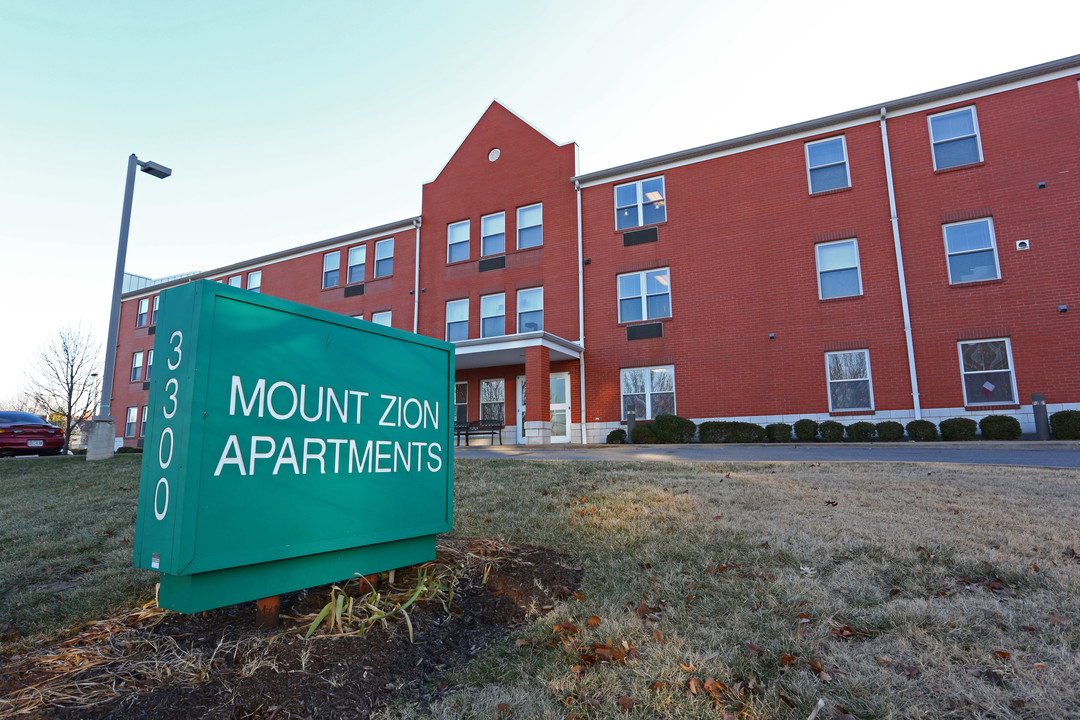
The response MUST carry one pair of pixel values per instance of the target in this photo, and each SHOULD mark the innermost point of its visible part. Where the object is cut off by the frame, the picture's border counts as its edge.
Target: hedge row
(1064, 425)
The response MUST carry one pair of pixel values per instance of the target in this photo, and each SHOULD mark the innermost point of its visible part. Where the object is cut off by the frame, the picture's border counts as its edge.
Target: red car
(26, 434)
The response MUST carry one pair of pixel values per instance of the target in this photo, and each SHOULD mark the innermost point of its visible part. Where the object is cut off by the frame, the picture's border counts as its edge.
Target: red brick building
(917, 259)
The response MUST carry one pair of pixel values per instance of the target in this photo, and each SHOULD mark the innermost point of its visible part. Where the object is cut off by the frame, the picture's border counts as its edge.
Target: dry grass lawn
(888, 591)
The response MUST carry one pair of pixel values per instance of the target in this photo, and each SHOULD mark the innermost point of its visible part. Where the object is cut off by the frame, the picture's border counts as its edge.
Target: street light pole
(103, 428)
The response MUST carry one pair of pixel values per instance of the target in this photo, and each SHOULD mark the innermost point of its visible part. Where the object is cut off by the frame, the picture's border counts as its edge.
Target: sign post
(288, 447)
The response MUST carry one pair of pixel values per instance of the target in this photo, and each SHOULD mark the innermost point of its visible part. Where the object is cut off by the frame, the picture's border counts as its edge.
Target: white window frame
(137, 366)
(331, 273)
(539, 290)
(1011, 370)
(649, 392)
(869, 380)
(483, 330)
(520, 226)
(993, 248)
(236, 281)
(254, 281)
(149, 363)
(844, 162)
(644, 296)
(857, 266)
(461, 302)
(934, 142)
(501, 384)
(382, 256)
(641, 202)
(384, 318)
(145, 415)
(459, 405)
(450, 243)
(350, 264)
(142, 313)
(485, 235)
(153, 310)
(131, 424)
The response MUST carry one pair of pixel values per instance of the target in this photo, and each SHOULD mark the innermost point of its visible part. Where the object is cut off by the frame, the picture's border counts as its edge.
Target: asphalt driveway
(1055, 454)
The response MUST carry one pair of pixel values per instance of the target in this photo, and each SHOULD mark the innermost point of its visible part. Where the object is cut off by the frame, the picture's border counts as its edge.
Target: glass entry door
(560, 408)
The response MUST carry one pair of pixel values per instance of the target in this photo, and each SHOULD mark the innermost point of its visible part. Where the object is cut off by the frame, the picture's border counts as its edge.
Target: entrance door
(560, 408)
(521, 409)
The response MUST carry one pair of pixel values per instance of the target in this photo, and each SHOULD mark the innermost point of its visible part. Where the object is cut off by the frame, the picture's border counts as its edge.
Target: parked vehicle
(26, 434)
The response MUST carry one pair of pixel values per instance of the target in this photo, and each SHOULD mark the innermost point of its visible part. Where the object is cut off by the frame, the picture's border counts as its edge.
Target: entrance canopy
(510, 350)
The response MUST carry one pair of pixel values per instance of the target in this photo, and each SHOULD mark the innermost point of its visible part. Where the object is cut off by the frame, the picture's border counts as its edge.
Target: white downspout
(581, 305)
(416, 281)
(900, 270)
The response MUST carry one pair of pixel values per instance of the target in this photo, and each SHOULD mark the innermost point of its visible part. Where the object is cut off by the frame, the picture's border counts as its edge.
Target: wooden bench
(468, 428)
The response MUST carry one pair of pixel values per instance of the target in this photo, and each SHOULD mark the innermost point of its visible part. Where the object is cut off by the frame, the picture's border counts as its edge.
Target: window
(849, 380)
(972, 251)
(136, 367)
(359, 317)
(357, 264)
(838, 269)
(648, 391)
(149, 363)
(530, 310)
(530, 226)
(457, 241)
(826, 164)
(986, 369)
(640, 203)
(255, 281)
(382, 318)
(145, 414)
(144, 308)
(153, 312)
(132, 421)
(644, 295)
(493, 315)
(384, 258)
(236, 281)
(492, 400)
(457, 320)
(493, 234)
(331, 268)
(955, 138)
(461, 402)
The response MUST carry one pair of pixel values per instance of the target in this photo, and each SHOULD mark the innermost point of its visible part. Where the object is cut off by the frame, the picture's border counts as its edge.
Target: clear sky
(287, 123)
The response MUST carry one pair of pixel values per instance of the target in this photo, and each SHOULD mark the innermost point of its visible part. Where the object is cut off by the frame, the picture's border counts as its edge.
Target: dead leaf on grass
(504, 709)
(593, 621)
(625, 704)
(1002, 654)
(658, 636)
(911, 671)
(694, 685)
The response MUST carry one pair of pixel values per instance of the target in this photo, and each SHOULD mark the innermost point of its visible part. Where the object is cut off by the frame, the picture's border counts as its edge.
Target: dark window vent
(351, 290)
(140, 442)
(152, 330)
(643, 332)
(638, 237)
(495, 263)
(146, 385)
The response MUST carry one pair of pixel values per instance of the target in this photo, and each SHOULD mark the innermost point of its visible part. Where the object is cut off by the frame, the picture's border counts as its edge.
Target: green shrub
(744, 432)
(714, 431)
(999, 427)
(643, 435)
(126, 449)
(958, 428)
(861, 431)
(831, 431)
(889, 430)
(1065, 425)
(778, 432)
(922, 430)
(674, 429)
(806, 429)
(616, 437)
(78, 451)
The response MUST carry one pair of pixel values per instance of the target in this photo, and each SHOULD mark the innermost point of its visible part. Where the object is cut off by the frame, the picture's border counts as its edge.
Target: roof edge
(1012, 76)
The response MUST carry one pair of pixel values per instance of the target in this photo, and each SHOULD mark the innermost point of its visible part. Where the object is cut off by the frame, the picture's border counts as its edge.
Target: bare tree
(65, 380)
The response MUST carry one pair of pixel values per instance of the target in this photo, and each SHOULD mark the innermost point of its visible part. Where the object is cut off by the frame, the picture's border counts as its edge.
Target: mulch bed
(220, 666)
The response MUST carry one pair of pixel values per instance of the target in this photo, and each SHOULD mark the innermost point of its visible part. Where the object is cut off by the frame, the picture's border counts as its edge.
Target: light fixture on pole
(103, 428)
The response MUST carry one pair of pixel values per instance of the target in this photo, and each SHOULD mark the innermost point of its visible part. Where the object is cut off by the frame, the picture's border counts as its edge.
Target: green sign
(288, 447)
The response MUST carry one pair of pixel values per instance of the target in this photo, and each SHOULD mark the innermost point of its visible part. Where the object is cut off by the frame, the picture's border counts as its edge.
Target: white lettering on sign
(372, 456)
(397, 409)
(289, 400)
